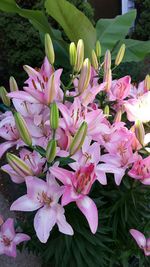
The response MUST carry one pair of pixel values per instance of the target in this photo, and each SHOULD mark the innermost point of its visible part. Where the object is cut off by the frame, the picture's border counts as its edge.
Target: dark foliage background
(20, 43)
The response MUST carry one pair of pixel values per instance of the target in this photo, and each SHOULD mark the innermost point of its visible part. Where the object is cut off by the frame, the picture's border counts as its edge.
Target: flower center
(6, 241)
(83, 178)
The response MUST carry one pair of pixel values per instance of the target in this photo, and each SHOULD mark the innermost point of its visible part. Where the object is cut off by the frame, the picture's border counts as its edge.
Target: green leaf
(39, 21)
(65, 161)
(135, 50)
(40, 150)
(110, 31)
(75, 24)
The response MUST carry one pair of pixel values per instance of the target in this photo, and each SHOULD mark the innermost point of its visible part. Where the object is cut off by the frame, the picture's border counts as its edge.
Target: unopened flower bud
(85, 76)
(51, 150)
(13, 84)
(120, 55)
(147, 82)
(94, 60)
(108, 80)
(51, 90)
(73, 54)
(106, 110)
(4, 97)
(22, 128)
(98, 49)
(49, 49)
(79, 138)
(1, 220)
(18, 165)
(54, 116)
(107, 61)
(80, 55)
(118, 116)
(139, 131)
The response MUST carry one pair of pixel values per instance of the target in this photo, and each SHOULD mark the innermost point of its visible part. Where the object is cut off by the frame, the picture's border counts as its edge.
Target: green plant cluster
(142, 28)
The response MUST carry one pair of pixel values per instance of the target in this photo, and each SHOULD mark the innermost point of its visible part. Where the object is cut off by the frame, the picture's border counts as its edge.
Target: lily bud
(51, 90)
(18, 165)
(54, 116)
(1, 220)
(4, 97)
(49, 49)
(98, 49)
(108, 80)
(78, 139)
(139, 131)
(22, 128)
(73, 54)
(94, 60)
(118, 116)
(85, 76)
(147, 82)
(80, 55)
(13, 84)
(106, 110)
(51, 150)
(120, 55)
(107, 61)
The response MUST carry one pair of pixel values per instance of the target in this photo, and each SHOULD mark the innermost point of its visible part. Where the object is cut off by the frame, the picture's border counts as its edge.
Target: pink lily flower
(77, 185)
(75, 114)
(143, 243)
(27, 109)
(9, 132)
(138, 108)
(9, 239)
(39, 87)
(120, 89)
(141, 170)
(90, 153)
(32, 159)
(43, 196)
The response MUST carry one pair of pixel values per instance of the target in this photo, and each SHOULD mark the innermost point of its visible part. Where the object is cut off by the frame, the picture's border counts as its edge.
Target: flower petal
(61, 174)
(89, 209)
(139, 238)
(44, 221)
(24, 203)
(63, 226)
(7, 228)
(21, 238)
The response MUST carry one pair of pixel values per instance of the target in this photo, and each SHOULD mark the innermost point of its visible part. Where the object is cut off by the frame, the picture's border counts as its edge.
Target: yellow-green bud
(120, 55)
(147, 82)
(22, 128)
(139, 131)
(51, 150)
(18, 165)
(118, 116)
(85, 76)
(13, 84)
(4, 97)
(106, 110)
(78, 139)
(73, 54)
(49, 49)
(80, 55)
(51, 90)
(98, 49)
(54, 116)
(107, 61)
(94, 60)
(108, 79)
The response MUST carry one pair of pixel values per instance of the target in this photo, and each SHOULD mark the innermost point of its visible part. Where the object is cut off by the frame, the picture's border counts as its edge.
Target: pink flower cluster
(109, 145)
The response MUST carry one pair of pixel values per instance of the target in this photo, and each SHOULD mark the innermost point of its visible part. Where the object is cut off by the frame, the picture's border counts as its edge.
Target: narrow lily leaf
(75, 24)
(110, 31)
